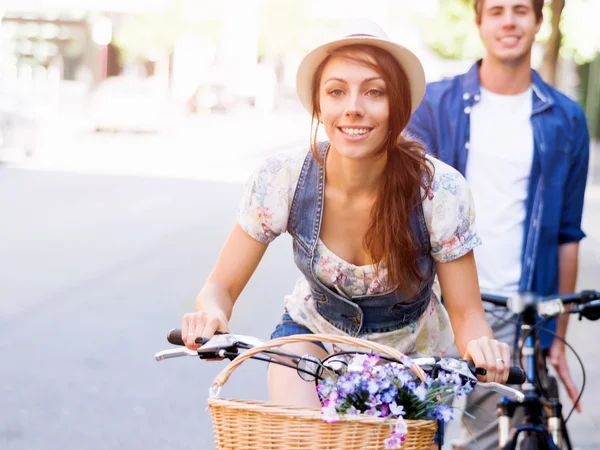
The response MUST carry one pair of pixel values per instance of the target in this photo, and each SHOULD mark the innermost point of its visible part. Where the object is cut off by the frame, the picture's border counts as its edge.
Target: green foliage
(451, 33)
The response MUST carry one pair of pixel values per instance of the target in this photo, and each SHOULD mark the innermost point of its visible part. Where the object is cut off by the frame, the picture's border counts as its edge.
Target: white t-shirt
(498, 171)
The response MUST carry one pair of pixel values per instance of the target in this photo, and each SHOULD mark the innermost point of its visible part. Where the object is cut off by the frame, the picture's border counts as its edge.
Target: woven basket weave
(243, 424)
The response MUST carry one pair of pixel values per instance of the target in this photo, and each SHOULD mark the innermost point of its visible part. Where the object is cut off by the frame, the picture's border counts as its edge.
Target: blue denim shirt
(362, 314)
(558, 175)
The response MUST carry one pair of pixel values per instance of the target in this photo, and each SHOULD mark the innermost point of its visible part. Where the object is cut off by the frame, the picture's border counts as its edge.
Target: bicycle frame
(536, 404)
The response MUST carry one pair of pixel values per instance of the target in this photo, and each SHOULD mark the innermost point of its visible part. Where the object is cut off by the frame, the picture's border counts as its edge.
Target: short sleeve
(450, 214)
(268, 194)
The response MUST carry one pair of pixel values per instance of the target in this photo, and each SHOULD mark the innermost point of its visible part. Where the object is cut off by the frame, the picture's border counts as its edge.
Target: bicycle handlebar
(588, 303)
(227, 345)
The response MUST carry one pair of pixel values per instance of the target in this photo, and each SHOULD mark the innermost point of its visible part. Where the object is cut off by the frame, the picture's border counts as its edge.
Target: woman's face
(354, 107)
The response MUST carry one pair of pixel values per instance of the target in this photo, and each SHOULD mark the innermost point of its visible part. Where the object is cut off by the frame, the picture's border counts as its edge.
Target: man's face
(508, 29)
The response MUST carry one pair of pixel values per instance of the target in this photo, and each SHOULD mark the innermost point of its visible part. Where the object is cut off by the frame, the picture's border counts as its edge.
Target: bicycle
(544, 425)
(238, 348)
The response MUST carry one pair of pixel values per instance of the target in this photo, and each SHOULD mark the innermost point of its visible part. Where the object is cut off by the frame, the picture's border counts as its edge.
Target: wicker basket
(242, 424)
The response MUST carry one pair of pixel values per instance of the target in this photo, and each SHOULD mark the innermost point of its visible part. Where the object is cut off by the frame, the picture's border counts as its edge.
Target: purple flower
(393, 442)
(348, 384)
(428, 380)
(389, 395)
(444, 412)
(403, 376)
(374, 401)
(373, 412)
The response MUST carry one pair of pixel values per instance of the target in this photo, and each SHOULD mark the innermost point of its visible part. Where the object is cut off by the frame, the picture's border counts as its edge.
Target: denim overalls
(362, 314)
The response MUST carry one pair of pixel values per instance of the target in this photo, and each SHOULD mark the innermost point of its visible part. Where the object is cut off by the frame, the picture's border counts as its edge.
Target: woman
(372, 217)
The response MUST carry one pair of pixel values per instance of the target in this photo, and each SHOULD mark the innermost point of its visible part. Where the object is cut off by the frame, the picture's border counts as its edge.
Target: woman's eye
(375, 93)
(336, 92)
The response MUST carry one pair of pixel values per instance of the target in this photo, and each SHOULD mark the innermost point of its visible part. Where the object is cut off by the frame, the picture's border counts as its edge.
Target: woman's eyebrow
(341, 80)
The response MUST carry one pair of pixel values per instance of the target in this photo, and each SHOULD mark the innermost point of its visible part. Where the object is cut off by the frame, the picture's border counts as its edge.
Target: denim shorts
(287, 327)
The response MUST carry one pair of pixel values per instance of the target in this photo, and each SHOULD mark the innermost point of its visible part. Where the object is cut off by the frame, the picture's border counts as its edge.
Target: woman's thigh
(286, 387)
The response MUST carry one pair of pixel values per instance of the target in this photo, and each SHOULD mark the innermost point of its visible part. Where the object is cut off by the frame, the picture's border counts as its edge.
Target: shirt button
(467, 110)
(466, 96)
(467, 145)
(477, 97)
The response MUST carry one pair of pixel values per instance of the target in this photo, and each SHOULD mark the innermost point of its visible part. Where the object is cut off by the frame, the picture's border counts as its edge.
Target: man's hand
(559, 362)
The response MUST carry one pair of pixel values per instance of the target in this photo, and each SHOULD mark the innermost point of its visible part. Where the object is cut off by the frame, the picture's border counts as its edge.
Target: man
(523, 147)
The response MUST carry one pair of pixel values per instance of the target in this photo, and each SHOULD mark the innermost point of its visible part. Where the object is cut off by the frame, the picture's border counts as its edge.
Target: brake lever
(174, 353)
(504, 390)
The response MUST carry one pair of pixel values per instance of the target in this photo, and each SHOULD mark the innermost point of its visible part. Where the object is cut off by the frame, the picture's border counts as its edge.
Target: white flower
(397, 410)
(358, 363)
(401, 427)
(421, 392)
(330, 415)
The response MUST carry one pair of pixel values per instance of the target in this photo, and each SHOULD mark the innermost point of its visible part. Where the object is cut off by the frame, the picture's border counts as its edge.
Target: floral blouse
(449, 214)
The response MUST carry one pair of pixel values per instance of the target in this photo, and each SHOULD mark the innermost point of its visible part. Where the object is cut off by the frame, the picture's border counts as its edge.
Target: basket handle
(224, 375)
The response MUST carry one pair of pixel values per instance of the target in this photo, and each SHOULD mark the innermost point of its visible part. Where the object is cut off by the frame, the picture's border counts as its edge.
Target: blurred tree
(550, 61)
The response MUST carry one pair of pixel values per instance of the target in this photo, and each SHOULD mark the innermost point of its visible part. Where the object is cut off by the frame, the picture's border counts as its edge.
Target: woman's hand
(202, 324)
(491, 355)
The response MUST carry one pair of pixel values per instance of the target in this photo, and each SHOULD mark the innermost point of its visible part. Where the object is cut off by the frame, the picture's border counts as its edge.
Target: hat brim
(407, 60)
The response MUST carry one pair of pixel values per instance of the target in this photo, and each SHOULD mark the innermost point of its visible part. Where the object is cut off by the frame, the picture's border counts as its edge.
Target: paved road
(93, 272)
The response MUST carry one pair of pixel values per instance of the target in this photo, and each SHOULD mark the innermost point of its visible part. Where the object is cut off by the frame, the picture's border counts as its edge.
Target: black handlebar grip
(516, 375)
(174, 337)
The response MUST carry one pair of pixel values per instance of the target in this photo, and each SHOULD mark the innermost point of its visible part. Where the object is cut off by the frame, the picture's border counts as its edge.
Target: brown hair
(390, 237)
(536, 4)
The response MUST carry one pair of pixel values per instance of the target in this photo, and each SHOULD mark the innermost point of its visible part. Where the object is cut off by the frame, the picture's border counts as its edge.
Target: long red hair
(390, 237)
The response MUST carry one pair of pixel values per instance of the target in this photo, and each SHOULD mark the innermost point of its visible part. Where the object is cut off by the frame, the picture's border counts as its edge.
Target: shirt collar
(542, 98)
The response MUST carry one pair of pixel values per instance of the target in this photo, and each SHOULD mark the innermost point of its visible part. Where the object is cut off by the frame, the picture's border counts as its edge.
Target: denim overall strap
(362, 314)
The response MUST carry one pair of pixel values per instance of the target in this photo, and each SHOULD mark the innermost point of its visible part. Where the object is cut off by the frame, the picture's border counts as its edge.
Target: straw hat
(360, 32)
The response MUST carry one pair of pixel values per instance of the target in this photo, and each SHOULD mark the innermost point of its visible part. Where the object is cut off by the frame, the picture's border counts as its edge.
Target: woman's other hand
(491, 355)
